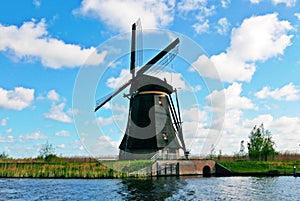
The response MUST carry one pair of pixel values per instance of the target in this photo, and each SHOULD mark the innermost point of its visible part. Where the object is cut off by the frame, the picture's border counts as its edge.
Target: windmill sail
(136, 55)
(104, 100)
(132, 54)
(139, 73)
(158, 57)
(139, 44)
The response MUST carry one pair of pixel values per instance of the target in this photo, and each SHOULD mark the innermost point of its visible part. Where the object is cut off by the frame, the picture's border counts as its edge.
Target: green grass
(128, 165)
(284, 167)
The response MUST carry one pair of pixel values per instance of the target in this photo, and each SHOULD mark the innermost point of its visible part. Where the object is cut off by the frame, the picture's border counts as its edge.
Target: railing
(155, 157)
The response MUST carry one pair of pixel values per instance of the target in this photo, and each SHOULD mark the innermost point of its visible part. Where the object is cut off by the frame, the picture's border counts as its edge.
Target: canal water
(171, 188)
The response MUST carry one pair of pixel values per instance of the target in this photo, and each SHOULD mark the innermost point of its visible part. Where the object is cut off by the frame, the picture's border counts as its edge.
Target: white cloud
(289, 92)
(62, 133)
(265, 119)
(115, 82)
(16, 99)
(53, 95)
(37, 3)
(115, 107)
(191, 5)
(196, 88)
(37, 135)
(233, 98)
(8, 139)
(194, 114)
(231, 69)
(228, 116)
(17, 42)
(255, 1)
(269, 39)
(204, 65)
(73, 112)
(8, 131)
(196, 7)
(154, 14)
(223, 26)
(285, 131)
(106, 146)
(101, 146)
(3, 122)
(172, 78)
(288, 3)
(199, 10)
(225, 3)
(57, 113)
(102, 121)
(61, 146)
(201, 27)
(297, 15)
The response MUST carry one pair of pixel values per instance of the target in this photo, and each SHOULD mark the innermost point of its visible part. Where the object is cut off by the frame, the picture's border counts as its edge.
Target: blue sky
(253, 45)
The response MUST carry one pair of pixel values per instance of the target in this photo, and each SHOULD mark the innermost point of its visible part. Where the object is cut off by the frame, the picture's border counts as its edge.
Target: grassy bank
(281, 167)
(118, 169)
(62, 168)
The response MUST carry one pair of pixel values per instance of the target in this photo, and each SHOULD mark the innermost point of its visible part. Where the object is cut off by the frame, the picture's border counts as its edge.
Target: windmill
(154, 126)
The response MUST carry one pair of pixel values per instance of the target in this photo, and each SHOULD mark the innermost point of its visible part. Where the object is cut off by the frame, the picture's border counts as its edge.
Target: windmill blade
(133, 47)
(146, 67)
(158, 57)
(139, 43)
(173, 112)
(102, 101)
(164, 61)
(136, 55)
(178, 109)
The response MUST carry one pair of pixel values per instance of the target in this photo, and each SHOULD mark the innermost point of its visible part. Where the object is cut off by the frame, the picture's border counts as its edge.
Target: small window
(165, 136)
(160, 100)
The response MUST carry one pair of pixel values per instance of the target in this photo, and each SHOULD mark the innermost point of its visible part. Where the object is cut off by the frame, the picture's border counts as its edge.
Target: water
(214, 188)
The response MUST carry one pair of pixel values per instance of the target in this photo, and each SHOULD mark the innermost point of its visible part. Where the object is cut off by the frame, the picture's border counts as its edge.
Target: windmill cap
(150, 83)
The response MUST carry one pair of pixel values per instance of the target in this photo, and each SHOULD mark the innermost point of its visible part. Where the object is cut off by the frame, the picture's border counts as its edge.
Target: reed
(57, 170)
(63, 168)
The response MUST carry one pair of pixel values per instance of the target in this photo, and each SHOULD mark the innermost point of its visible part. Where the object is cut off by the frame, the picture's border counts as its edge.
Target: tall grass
(63, 168)
(57, 170)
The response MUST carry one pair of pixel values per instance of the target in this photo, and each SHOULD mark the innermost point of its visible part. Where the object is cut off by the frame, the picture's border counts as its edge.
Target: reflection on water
(169, 188)
(150, 189)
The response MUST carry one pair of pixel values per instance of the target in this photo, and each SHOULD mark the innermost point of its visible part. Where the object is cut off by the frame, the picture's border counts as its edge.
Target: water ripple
(170, 188)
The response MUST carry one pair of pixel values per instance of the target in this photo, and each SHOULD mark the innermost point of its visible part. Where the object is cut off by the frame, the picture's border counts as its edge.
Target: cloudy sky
(253, 45)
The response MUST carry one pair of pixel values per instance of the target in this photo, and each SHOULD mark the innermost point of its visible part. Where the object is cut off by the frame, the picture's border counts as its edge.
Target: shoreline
(131, 169)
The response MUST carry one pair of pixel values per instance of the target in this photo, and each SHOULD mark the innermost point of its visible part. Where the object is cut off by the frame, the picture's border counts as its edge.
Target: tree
(255, 144)
(3, 156)
(268, 150)
(47, 152)
(261, 145)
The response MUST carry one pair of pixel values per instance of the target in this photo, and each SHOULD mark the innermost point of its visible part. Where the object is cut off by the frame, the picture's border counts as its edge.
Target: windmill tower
(154, 126)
